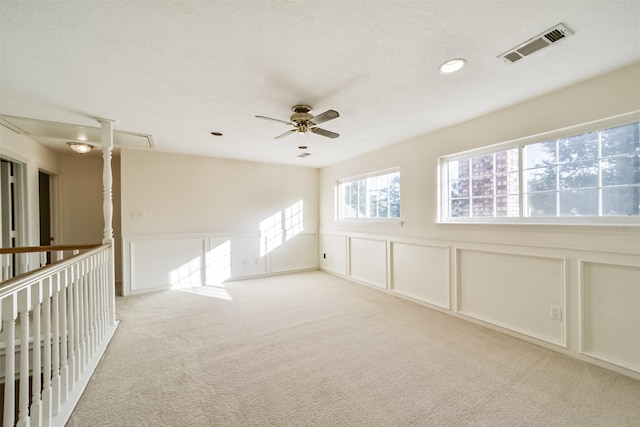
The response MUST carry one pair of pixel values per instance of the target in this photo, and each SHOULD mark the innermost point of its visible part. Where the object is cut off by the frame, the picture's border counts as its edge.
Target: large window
(590, 175)
(375, 196)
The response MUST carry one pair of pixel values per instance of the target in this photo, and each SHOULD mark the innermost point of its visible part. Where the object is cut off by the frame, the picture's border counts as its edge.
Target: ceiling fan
(303, 121)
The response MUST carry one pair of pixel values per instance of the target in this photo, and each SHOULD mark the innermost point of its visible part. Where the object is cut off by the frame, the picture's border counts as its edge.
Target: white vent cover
(544, 39)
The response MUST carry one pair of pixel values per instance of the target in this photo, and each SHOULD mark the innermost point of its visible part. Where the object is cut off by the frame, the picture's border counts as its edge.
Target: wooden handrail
(17, 283)
(28, 249)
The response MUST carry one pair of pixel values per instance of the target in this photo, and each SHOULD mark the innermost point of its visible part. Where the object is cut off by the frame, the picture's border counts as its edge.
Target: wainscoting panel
(333, 253)
(611, 313)
(421, 272)
(247, 258)
(368, 261)
(298, 253)
(166, 263)
(513, 291)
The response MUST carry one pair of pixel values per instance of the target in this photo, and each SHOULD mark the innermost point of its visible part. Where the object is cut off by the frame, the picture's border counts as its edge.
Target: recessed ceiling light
(452, 65)
(216, 133)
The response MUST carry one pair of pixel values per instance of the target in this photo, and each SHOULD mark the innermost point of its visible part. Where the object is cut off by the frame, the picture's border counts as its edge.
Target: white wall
(81, 196)
(34, 157)
(504, 276)
(210, 211)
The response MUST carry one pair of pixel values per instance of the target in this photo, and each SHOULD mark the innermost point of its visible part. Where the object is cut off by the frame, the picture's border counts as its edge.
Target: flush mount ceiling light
(452, 65)
(80, 147)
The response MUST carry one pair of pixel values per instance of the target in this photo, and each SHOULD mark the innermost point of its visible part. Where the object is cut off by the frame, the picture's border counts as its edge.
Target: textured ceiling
(178, 70)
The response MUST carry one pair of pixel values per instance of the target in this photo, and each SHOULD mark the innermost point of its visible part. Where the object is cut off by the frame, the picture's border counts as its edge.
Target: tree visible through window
(591, 174)
(371, 197)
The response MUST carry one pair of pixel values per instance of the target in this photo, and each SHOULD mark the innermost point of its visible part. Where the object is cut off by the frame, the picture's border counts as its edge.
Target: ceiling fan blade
(287, 133)
(324, 132)
(326, 116)
(275, 120)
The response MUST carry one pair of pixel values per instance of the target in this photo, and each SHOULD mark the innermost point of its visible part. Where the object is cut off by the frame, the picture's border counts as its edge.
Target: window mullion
(599, 163)
(557, 166)
(470, 167)
(495, 185)
(521, 195)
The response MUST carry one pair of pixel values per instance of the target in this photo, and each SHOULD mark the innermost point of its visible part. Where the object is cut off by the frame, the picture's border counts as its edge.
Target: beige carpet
(311, 349)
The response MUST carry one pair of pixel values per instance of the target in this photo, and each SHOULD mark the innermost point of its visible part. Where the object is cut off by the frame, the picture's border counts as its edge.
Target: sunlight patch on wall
(272, 232)
(293, 219)
(188, 274)
(218, 261)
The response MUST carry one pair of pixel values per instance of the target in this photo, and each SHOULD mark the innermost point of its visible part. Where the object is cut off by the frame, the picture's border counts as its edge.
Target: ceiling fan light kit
(303, 121)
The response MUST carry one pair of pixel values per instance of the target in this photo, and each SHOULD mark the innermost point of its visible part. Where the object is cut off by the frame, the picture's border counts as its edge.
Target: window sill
(395, 221)
(569, 222)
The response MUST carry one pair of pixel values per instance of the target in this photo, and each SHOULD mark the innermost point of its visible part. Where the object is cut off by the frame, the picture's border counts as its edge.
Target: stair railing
(17, 261)
(56, 325)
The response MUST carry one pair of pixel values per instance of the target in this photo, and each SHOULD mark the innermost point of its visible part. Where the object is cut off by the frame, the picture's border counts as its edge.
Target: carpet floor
(312, 349)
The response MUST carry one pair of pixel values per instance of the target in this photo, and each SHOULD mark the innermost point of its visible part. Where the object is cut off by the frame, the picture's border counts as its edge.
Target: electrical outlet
(556, 312)
(137, 213)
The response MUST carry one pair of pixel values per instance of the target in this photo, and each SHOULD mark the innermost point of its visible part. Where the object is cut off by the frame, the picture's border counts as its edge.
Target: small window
(592, 174)
(370, 197)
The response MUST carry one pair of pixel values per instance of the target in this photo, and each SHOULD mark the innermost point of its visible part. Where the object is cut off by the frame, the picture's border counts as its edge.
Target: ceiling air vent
(552, 35)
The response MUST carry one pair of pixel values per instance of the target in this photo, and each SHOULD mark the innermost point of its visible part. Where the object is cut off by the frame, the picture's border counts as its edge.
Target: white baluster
(95, 306)
(102, 271)
(35, 411)
(87, 312)
(4, 266)
(22, 264)
(93, 320)
(9, 314)
(47, 345)
(72, 325)
(24, 305)
(80, 356)
(80, 330)
(65, 284)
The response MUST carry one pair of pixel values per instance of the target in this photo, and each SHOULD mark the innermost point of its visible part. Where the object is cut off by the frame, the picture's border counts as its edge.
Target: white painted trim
(563, 283)
(572, 340)
(582, 310)
(391, 243)
(497, 227)
(361, 280)
(128, 261)
(66, 408)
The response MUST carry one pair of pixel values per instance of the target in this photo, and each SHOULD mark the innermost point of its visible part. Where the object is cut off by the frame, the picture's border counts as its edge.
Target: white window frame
(443, 175)
(339, 196)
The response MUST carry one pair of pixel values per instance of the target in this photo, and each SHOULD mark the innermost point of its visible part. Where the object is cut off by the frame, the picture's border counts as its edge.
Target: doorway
(11, 212)
(46, 211)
